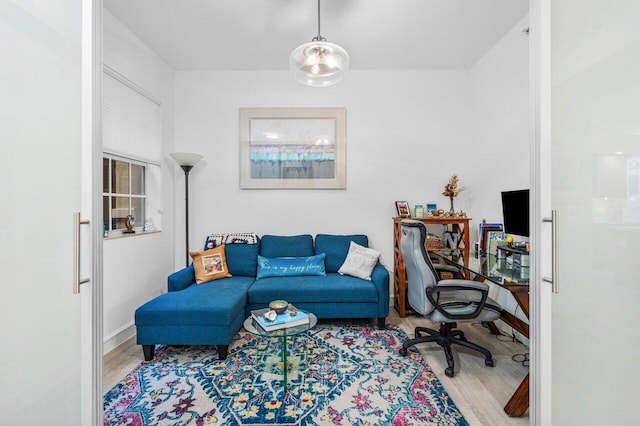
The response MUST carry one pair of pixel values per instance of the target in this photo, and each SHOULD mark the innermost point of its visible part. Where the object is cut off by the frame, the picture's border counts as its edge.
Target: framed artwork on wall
(292, 148)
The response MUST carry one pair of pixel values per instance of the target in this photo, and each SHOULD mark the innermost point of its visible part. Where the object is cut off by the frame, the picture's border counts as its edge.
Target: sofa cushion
(242, 259)
(332, 288)
(336, 248)
(210, 264)
(211, 303)
(286, 246)
(290, 266)
(360, 261)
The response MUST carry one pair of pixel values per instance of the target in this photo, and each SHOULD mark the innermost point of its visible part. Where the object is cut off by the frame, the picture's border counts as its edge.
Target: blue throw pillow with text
(290, 266)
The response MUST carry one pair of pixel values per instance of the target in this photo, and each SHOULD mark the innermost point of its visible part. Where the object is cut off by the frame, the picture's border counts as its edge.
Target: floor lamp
(186, 161)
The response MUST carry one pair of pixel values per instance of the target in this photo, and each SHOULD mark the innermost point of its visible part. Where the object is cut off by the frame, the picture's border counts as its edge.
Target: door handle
(555, 252)
(76, 253)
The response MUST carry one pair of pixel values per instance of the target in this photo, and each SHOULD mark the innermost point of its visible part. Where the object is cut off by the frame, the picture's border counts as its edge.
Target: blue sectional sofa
(211, 313)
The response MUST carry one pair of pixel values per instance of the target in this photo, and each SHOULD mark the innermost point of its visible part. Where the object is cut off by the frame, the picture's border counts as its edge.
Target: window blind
(131, 119)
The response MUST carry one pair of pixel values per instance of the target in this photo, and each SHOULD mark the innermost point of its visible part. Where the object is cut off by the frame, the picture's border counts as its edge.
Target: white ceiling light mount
(319, 63)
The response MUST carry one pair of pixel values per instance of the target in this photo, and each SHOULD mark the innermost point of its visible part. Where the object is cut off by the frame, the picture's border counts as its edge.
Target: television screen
(515, 210)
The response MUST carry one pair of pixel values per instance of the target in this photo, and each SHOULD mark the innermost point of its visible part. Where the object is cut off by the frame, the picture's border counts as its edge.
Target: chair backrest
(420, 272)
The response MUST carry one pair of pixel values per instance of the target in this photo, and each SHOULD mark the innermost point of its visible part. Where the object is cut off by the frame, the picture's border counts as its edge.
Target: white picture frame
(292, 148)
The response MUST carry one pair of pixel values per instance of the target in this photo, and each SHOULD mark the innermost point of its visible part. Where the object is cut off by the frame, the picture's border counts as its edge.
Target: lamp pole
(186, 169)
(186, 161)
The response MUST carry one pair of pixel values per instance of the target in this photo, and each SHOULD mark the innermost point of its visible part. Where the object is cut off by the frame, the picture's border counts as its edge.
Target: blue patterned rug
(337, 375)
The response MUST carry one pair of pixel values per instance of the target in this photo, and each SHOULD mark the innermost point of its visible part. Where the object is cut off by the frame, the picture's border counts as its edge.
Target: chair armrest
(181, 279)
(446, 286)
(467, 284)
(380, 278)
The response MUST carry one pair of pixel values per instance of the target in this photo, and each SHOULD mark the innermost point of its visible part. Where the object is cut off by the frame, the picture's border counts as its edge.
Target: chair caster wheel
(489, 362)
(449, 372)
(403, 352)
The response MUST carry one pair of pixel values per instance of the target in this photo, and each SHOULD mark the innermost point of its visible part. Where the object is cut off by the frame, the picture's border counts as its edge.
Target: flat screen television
(515, 211)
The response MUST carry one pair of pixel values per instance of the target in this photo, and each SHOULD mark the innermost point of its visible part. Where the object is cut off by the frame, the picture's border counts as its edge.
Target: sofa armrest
(181, 279)
(380, 278)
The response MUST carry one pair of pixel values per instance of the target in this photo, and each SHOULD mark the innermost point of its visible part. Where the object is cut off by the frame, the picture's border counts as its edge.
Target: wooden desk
(458, 224)
(518, 404)
(481, 270)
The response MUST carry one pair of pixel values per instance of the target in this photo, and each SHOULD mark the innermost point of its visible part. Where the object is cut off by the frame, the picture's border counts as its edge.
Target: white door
(40, 189)
(592, 323)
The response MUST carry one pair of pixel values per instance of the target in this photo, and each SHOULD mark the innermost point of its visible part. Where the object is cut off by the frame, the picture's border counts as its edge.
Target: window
(132, 154)
(123, 192)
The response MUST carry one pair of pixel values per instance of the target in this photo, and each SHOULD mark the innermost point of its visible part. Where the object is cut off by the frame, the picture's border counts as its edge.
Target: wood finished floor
(480, 392)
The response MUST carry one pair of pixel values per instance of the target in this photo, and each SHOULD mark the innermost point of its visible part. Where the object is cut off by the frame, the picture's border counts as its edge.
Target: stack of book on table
(282, 320)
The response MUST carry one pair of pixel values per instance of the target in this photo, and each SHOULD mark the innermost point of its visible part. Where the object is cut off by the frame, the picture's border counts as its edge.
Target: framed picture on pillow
(402, 208)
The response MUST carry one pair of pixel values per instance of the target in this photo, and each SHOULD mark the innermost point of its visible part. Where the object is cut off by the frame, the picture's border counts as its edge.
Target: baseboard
(118, 337)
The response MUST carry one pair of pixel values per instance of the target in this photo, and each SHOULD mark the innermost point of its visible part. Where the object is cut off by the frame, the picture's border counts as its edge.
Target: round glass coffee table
(252, 326)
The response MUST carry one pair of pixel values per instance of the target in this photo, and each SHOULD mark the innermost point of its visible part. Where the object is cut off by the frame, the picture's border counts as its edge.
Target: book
(283, 320)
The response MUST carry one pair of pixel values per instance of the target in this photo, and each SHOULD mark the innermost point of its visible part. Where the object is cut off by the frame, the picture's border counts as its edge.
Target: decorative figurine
(130, 223)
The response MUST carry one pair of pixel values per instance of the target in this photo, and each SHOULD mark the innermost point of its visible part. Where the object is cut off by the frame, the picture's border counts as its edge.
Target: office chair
(443, 301)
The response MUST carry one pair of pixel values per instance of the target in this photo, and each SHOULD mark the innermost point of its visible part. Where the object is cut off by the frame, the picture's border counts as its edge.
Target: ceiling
(260, 34)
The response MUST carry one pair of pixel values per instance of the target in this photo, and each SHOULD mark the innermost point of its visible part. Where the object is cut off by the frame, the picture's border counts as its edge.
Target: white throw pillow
(360, 261)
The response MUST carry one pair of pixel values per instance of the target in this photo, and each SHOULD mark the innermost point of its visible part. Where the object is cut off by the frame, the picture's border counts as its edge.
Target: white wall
(407, 132)
(500, 119)
(136, 267)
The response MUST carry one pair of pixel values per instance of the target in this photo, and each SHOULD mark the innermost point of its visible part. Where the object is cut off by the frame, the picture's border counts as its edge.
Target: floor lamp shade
(186, 161)
(186, 158)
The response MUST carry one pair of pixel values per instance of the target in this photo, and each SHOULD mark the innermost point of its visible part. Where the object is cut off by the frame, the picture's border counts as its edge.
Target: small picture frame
(432, 208)
(485, 228)
(402, 208)
(493, 239)
(418, 210)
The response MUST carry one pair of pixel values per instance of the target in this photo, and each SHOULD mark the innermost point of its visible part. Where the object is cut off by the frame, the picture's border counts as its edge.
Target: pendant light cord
(318, 37)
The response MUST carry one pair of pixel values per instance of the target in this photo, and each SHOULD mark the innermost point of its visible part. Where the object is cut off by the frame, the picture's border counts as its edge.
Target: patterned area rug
(337, 375)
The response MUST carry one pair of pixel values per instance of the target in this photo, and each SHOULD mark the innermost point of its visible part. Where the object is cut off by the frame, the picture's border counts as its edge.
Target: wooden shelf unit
(458, 224)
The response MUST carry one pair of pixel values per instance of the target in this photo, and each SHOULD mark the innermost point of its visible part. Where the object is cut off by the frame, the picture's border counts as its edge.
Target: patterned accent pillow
(360, 262)
(215, 240)
(290, 266)
(210, 265)
(241, 238)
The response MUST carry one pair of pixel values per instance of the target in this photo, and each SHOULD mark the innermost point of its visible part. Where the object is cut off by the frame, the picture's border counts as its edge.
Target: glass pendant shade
(319, 63)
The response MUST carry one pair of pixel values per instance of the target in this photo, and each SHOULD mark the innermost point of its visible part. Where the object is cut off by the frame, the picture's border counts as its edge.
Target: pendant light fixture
(319, 63)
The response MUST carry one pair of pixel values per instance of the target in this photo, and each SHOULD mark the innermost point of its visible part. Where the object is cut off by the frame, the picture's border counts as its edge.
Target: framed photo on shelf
(402, 208)
(432, 208)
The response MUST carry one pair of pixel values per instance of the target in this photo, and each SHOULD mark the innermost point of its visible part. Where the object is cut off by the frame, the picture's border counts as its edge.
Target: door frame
(91, 292)
(540, 129)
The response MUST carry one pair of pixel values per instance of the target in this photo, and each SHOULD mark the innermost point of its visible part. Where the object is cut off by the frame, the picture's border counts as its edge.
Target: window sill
(118, 235)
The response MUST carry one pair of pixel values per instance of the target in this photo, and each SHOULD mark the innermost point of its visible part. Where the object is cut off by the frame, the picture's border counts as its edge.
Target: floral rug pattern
(337, 375)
